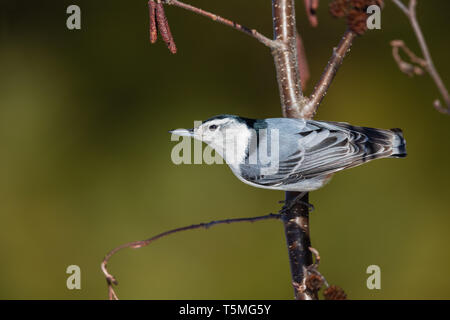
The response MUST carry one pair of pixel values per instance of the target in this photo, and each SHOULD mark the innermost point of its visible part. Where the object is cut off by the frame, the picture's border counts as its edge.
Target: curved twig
(111, 280)
(251, 32)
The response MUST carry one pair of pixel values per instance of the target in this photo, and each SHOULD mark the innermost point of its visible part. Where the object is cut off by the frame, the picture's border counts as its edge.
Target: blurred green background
(85, 155)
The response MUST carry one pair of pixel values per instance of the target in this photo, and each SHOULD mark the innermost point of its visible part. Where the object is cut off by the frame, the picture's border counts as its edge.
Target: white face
(216, 131)
(227, 136)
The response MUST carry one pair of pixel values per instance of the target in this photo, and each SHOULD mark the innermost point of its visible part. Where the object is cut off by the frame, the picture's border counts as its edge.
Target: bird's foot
(289, 204)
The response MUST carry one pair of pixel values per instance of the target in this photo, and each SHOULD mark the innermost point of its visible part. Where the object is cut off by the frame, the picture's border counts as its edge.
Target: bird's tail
(352, 146)
(398, 144)
(377, 143)
(381, 143)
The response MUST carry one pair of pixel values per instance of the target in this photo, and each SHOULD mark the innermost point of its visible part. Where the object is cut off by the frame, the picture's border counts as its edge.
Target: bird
(291, 154)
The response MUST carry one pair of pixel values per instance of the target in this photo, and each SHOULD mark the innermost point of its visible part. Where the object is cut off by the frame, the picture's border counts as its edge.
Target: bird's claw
(288, 205)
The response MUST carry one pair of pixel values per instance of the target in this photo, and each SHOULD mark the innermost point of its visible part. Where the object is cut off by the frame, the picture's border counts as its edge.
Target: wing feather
(323, 148)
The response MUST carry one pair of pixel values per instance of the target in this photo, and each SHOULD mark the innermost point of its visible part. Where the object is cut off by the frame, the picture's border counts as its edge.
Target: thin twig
(401, 6)
(400, 44)
(315, 279)
(410, 12)
(111, 280)
(313, 269)
(153, 23)
(316, 257)
(404, 66)
(327, 77)
(251, 32)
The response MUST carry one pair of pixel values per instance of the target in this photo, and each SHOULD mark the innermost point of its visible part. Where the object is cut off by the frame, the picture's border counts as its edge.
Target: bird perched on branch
(293, 154)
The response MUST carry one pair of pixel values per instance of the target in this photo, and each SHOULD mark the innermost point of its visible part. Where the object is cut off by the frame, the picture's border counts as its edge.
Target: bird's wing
(322, 148)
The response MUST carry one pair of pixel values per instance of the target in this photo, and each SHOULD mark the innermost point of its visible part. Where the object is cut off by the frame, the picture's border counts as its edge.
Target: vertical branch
(285, 58)
(296, 217)
(296, 228)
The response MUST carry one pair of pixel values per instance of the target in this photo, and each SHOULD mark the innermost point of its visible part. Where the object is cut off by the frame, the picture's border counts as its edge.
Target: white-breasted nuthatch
(293, 154)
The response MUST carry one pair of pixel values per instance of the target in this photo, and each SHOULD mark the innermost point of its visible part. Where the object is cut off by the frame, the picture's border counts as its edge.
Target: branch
(327, 77)
(410, 12)
(404, 66)
(295, 105)
(251, 32)
(296, 228)
(296, 216)
(401, 6)
(111, 280)
(286, 58)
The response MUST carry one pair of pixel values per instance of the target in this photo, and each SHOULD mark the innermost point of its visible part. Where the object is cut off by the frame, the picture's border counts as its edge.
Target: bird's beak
(183, 132)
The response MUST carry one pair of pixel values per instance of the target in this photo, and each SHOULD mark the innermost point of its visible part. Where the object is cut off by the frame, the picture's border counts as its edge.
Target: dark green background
(85, 155)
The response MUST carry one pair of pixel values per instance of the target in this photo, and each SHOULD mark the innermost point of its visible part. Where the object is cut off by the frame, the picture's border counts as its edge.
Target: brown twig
(251, 32)
(410, 13)
(327, 77)
(316, 263)
(313, 269)
(111, 280)
(404, 66)
(313, 280)
(153, 27)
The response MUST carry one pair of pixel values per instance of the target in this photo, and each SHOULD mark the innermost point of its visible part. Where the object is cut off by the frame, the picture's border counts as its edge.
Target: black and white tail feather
(310, 151)
(361, 144)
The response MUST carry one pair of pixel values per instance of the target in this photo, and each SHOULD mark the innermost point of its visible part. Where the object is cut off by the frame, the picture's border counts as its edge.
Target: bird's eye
(212, 127)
